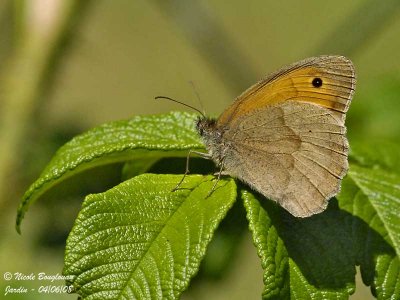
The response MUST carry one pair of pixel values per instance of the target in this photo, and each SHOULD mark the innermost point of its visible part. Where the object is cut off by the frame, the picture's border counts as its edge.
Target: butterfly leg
(201, 154)
(216, 182)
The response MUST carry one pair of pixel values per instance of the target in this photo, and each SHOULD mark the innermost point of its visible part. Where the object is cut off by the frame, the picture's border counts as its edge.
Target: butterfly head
(211, 136)
(206, 127)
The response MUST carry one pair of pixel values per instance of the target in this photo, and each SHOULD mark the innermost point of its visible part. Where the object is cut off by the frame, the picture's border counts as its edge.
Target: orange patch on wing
(295, 84)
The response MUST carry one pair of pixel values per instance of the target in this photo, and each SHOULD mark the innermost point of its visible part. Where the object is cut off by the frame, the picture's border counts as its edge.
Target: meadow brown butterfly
(285, 136)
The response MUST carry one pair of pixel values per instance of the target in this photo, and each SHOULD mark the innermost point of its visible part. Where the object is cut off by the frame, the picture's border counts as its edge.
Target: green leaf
(315, 258)
(140, 240)
(142, 137)
(302, 258)
(384, 154)
(270, 247)
(373, 195)
(379, 204)
(383, 192)
(372, 246)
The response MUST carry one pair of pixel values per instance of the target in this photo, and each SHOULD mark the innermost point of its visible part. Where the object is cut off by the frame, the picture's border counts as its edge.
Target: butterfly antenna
(184, 104)
(197, 96)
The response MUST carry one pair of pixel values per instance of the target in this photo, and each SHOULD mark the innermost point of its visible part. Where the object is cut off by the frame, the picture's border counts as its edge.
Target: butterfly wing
(287, 138)
(295, 83)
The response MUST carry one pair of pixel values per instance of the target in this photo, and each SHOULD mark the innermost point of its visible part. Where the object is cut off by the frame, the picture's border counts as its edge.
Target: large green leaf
(315, 258)
(302, 258)
(139, 240)
(371, 237)
(141, 138)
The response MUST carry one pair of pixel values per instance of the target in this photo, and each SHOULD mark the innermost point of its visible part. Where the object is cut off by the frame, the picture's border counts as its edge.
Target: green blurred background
(67, 66)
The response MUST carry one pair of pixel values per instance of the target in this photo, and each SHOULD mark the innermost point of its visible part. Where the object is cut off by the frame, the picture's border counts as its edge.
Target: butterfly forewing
(295, 83)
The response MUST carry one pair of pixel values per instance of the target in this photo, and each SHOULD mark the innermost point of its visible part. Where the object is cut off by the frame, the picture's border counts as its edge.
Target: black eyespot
(317, 82)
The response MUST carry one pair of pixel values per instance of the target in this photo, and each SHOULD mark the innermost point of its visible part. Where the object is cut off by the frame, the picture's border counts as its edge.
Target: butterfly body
(285, 136)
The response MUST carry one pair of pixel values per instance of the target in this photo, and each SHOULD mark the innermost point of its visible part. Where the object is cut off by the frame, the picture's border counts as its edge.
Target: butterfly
(285, 136)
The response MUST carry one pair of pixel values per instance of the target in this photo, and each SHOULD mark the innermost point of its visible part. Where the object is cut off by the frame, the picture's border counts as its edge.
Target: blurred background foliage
(66, 66)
